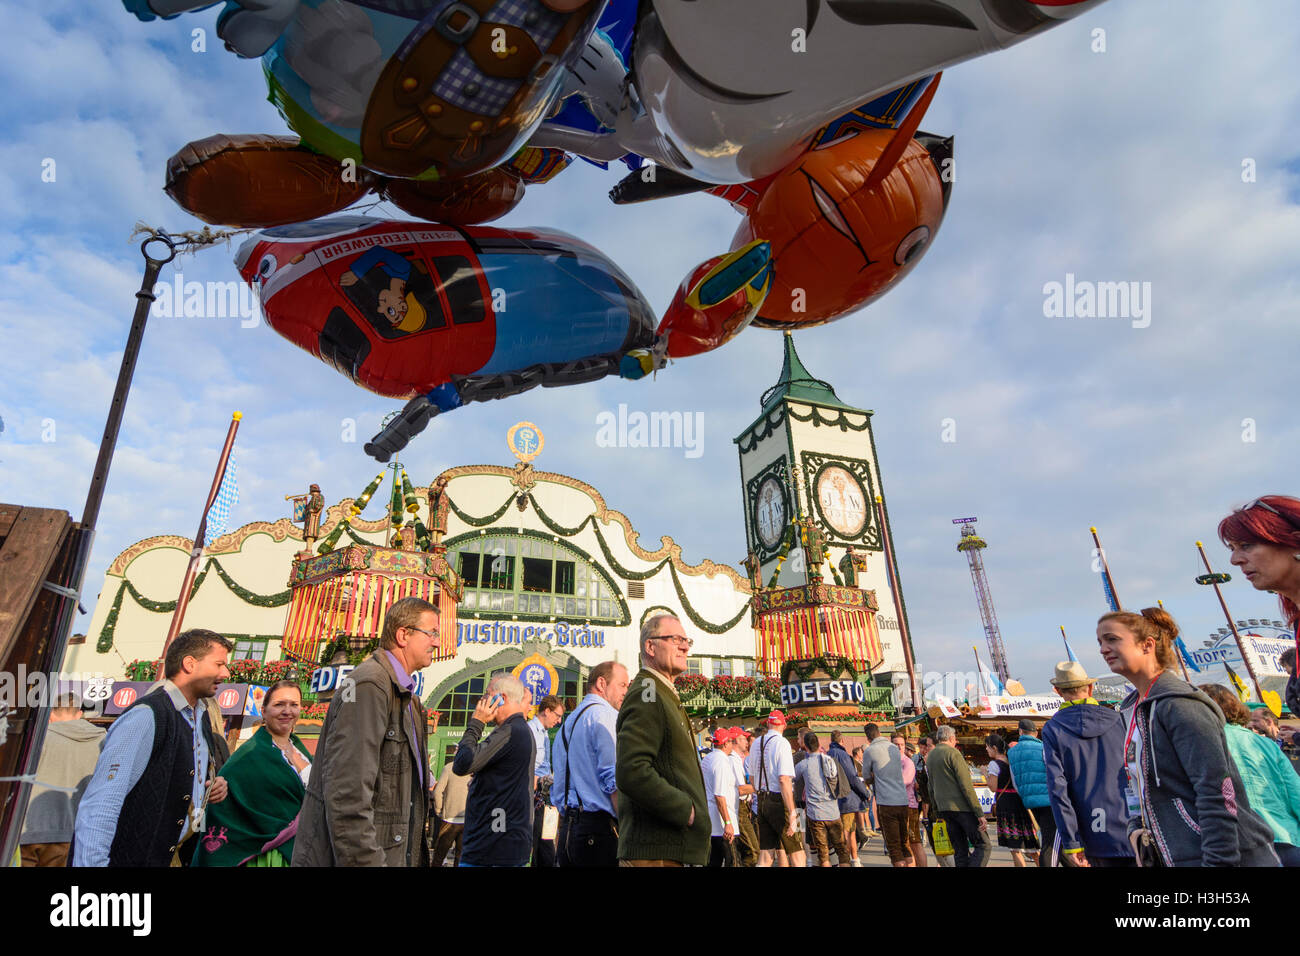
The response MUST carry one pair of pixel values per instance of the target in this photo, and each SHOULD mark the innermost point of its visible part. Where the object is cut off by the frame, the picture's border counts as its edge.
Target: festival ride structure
(341, 593)
(451, 108)
(971, 545)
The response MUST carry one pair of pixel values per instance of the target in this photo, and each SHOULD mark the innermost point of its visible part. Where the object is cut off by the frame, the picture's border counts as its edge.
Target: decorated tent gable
(346, 594)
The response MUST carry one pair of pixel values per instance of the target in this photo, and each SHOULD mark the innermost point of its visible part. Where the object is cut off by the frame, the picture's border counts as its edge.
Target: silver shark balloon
(733, 89)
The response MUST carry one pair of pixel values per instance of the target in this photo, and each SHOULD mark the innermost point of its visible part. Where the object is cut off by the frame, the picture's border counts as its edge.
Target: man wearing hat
(722, 793)
(771, 769)
(1083, 750)
(746, 843)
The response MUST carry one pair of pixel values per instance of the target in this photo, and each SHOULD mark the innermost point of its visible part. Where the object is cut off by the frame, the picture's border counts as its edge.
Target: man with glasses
(368, 794)
(663, 817)
(584, 760)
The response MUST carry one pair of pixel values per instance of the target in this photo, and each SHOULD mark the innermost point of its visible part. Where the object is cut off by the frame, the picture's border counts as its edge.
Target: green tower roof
(797, 383)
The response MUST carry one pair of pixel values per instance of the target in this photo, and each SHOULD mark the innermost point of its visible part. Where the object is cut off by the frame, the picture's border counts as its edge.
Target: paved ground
(874, 855)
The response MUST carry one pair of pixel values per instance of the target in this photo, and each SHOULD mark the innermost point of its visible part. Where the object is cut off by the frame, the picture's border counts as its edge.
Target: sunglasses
(1260, 503)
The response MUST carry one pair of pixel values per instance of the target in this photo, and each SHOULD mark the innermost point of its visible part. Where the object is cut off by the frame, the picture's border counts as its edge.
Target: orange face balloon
(837, 245)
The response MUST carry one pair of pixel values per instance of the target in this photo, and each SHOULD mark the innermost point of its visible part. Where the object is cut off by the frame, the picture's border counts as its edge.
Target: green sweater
(657, 769)
(1272, 785)
(950, 783)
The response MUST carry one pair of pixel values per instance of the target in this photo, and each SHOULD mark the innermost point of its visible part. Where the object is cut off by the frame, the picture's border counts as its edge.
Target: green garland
(481, 522)
(626, 573)
(629, 575)
(279, 599)
(769, 425)
(356, 538)
(830, 663)
(842, 420)
(341, 643)
(105, 641)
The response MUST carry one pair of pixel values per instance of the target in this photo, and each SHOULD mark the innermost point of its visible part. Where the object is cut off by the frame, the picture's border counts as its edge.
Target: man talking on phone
(499, 806)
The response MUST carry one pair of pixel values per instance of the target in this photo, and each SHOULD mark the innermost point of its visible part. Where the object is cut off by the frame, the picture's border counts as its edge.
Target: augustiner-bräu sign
(806, 693)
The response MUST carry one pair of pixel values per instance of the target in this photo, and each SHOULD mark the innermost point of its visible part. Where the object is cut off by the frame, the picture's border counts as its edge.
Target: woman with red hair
(1264, 538)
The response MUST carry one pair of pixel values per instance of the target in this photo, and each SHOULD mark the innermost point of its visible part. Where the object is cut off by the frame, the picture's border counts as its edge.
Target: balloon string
(191, 240)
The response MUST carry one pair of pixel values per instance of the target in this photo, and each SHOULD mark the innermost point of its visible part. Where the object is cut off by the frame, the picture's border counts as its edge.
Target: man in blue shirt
(583, 763)
(157, 771)
(549, 713)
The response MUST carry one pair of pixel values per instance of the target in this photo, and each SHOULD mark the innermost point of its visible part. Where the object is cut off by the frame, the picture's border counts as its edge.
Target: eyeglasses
(679, 640)
(1259, 503)
(432, 634)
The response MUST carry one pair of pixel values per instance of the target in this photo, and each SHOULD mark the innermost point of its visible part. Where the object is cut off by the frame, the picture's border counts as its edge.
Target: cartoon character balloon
(727, 91)
(804, 116)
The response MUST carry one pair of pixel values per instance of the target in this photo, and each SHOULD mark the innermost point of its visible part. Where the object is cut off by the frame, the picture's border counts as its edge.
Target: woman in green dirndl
(267, 776)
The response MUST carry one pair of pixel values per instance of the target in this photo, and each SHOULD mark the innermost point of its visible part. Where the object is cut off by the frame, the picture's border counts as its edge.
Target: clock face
(769, 513)
(842, 501)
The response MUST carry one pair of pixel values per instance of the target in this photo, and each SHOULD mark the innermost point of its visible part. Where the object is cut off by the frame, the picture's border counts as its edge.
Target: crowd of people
(1177, 776)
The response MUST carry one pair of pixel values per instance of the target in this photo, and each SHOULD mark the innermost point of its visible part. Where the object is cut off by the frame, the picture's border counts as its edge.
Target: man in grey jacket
(67, 760)
(368, 794)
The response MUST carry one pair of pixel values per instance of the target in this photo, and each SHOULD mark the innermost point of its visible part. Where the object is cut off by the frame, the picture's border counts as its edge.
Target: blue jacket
(1083, 749)
(859, 799)
(1026, 759)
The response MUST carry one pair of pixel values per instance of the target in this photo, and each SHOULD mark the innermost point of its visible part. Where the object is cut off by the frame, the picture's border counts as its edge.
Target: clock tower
(810, 483)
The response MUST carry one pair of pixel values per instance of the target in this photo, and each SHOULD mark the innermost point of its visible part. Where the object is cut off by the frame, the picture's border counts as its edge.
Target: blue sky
(1117, 166)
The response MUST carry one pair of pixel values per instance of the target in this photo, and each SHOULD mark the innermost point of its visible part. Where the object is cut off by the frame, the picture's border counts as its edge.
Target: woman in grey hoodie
(1184, 792)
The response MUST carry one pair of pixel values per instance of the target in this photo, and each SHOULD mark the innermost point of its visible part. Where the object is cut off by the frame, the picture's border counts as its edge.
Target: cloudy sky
(1123, 165)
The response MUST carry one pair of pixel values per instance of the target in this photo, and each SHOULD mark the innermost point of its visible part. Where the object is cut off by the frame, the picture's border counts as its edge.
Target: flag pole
(196, 553)
(1065, 640)
(1105, 570)
(1250, 669)
(888, 546)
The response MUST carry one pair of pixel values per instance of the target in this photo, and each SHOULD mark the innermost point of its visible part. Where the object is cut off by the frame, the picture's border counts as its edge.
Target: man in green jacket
(663, 818)
(955, 802)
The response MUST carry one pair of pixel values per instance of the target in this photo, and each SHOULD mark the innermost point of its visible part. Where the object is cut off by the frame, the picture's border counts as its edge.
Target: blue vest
(1029, 772)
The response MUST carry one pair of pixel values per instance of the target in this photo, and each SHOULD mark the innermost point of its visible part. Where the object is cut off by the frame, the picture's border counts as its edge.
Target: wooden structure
(971, 729)
(38, 558)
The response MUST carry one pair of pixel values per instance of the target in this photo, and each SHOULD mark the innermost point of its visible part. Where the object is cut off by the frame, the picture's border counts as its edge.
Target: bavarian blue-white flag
(1186, 654)
(227, 498)
(1107, 590)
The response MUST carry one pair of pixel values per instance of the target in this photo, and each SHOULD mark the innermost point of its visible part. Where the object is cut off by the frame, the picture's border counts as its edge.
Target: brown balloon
(257, 181)
(479, 198)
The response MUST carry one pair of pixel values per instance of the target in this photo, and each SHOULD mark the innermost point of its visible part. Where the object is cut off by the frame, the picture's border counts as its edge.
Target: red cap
(776, 717)
(739, 732)
(722, 735)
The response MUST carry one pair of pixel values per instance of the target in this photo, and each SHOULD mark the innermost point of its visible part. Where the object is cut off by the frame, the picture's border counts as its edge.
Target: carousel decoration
(341, 594)
(817, 638)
